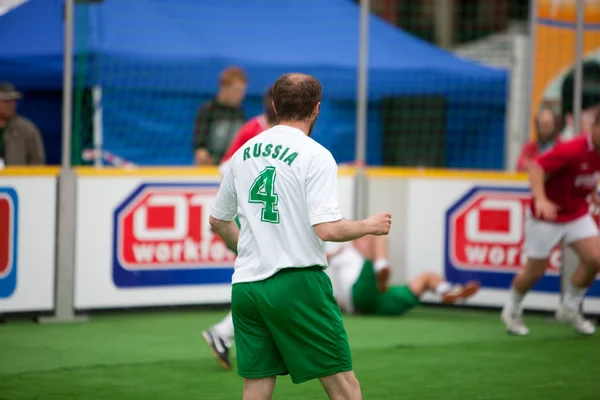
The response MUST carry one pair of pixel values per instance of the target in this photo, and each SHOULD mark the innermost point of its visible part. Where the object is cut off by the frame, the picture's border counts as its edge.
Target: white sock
(514, 300)
(225, 329)
(442, 288)
(573, 297)
(380, 264)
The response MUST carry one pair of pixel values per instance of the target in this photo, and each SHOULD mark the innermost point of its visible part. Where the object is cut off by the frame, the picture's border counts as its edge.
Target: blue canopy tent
(31, 58)
(172, 48)
(168, 55)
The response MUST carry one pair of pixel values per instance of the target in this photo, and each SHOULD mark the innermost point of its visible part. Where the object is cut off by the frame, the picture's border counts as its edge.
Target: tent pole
(97, 126)
(578, 77)
(360, 206)
(65, 249)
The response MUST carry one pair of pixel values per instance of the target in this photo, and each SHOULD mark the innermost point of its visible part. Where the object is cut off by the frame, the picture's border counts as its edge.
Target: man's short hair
(590, 93)
(296, 96)
(268, 105)
(232, 74)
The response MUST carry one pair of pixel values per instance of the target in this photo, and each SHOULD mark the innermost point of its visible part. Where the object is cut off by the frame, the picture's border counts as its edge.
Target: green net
(147, 67)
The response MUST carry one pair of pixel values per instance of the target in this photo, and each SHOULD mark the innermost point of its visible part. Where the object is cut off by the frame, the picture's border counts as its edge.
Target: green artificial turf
(431, 354)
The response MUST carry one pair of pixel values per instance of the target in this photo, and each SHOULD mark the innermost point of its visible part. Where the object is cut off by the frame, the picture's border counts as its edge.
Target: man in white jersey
(359, 272)
(283, 187)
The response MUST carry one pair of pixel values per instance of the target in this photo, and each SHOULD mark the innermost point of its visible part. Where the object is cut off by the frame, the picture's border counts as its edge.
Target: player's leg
(303, 316)
(375, 248)
(435, 283)
(219, 338)
(367, 299)
(342, 386)
(582, 235)
(259, 389)
(258, 358)
(365, 295)
(396, 301)
(540, 238)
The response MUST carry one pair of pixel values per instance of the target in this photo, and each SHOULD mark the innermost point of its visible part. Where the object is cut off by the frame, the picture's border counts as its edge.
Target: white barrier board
(27, 243)
(146, 241)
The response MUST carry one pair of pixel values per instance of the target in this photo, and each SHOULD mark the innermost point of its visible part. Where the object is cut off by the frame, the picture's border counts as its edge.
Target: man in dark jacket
(219, 119)
(20, 140)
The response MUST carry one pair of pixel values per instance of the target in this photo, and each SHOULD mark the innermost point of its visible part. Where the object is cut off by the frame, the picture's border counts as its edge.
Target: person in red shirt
(562, 180)
(547, 131)
(252, 128)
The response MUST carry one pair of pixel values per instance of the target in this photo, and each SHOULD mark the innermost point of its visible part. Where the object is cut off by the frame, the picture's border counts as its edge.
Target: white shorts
(542, 236)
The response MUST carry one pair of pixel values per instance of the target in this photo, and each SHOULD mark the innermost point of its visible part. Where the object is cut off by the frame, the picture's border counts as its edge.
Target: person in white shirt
(360, 271)
(283, 187)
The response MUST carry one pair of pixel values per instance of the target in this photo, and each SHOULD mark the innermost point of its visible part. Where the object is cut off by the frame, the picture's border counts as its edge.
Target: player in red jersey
(252, 128)
(561, 182)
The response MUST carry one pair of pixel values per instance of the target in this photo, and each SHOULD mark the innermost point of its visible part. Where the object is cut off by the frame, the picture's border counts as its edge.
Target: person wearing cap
(590, 99)
(20, 140)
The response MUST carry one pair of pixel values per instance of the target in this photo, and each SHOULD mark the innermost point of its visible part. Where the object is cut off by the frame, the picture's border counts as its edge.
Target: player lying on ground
(359, 273)
(561, 180)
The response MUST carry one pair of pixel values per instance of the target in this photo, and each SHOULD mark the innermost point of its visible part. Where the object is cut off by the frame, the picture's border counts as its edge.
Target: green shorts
(367, 299)
(289, 323)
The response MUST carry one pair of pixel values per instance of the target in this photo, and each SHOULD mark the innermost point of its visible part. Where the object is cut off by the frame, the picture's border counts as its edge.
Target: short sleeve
(322, 189)
(527, 154)
(557, 158)
(225, 206)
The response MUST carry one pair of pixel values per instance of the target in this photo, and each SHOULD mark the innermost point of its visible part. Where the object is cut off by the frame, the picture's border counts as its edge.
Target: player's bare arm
(345, 230)
(227, 230)
(544, 208)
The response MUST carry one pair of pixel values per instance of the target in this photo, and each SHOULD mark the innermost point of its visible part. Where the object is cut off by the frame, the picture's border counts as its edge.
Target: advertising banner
(147, 241)
(27, 243)
(473, 230)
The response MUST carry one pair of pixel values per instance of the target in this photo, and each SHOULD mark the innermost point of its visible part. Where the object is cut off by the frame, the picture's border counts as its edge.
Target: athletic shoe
(218, 347)
(383, 279)
(458, 292)
(514, 322)
(576, 319)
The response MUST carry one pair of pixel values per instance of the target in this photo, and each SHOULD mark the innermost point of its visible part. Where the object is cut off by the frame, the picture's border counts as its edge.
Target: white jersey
(280, 184)
(345, 266)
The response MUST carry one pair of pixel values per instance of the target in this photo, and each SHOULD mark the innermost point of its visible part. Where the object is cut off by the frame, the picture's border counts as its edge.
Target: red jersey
(530, 152)
(250, 129)
(573, 169)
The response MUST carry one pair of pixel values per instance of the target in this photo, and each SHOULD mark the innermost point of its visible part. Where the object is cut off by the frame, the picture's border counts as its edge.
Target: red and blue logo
(162, 237)
(9, 212)
(485, 236)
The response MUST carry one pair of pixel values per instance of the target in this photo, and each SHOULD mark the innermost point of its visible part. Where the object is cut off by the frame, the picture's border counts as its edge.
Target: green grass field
(428, 354)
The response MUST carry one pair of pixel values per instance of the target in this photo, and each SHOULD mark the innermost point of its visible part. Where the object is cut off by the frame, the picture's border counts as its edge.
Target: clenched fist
(379, 224)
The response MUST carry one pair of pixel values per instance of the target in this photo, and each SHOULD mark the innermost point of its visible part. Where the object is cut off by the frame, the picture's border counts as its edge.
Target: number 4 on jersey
(262, 192)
